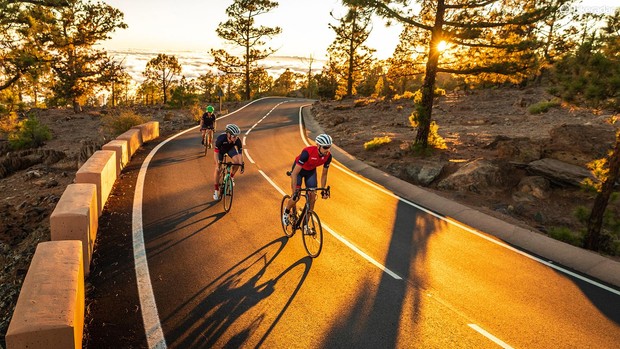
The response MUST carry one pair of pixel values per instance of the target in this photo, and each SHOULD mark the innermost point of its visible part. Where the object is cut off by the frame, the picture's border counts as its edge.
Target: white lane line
(489, 336)
(247, 155)
(148, 307)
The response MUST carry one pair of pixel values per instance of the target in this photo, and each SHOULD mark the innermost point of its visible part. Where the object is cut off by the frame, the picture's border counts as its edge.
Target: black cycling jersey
(207, 121)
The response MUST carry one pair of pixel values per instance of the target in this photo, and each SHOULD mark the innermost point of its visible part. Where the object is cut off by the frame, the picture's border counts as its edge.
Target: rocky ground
(490, 125)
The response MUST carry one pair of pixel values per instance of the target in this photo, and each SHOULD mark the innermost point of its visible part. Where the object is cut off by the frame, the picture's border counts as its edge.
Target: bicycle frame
(308, 222)
(225, 183)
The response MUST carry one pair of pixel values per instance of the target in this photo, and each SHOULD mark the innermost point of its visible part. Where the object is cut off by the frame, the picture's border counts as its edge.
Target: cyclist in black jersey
(227, 143)
(207, 124)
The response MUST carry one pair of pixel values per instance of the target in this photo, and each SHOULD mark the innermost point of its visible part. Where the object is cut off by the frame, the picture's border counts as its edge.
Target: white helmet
(323, 140)
(233, 129)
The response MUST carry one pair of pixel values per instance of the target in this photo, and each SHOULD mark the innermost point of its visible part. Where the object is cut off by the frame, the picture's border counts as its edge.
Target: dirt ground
(468, 123)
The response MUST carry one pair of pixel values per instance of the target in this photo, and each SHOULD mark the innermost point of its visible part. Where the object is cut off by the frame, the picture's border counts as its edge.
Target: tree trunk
(428, 87)
(77, 108)
(595, 221)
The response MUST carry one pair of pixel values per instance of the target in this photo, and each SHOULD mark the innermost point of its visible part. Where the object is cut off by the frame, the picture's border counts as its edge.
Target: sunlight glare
(442, 46)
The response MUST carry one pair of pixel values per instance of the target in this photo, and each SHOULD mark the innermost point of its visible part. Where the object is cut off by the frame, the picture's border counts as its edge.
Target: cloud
(194, 63)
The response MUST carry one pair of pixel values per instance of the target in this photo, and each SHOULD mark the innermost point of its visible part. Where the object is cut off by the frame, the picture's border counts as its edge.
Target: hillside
(474, 126)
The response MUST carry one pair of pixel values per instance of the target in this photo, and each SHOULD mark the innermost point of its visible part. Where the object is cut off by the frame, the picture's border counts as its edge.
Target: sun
(442, 46)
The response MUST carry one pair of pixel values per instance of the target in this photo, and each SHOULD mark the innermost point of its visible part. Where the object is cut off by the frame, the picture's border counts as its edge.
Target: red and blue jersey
(310, 158)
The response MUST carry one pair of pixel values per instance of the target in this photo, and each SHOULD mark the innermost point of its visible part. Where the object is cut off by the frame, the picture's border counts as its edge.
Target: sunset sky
(190, 25)
(187, 27)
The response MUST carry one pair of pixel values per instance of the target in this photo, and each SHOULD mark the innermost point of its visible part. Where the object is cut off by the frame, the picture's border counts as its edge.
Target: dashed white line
(489, 336)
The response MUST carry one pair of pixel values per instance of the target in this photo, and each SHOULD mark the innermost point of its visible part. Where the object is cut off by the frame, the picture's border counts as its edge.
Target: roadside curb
(551, 251)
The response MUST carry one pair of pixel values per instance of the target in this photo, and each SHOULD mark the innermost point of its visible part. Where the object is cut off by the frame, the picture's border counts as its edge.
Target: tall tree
(241, 30)
(78, 65)
(347, 54)
(25, 28)
(162, 70)
(492, 36)
(593, 240)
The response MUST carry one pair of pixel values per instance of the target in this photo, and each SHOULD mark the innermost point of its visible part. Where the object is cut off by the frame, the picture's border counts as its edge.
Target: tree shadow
(221, 303)
(373, 319)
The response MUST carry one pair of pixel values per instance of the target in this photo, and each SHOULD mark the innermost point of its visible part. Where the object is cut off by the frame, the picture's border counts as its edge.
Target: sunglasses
(326, 147)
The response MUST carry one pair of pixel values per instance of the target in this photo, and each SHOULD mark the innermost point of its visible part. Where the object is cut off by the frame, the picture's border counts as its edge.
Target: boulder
(579, 144)
(559, 172)
(423, 173)
(478, 176)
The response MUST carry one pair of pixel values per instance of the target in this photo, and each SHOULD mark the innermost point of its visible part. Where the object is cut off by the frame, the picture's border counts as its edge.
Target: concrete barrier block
(120, 146)
(50, 308)
(133, 137)
(149, 130)
(99, 169)
(75, 217)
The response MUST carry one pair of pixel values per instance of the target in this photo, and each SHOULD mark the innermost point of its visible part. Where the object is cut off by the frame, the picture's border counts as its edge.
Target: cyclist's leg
(311, 182)
(210, 136)
(217, 157)
(235, 158)
(202, 135)
(300, 177)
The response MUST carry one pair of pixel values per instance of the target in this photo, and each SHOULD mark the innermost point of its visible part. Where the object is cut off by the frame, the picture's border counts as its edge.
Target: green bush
(117, 124)
(566, 235)
(30, 133)
(543, 107)
(377, 142)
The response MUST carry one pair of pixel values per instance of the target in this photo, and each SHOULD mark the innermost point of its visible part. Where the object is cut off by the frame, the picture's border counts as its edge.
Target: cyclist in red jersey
(305, 168)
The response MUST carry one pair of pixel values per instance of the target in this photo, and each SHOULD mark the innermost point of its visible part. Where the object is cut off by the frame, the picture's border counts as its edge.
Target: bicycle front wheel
(313, 235)
(228, 194)
(288, 228)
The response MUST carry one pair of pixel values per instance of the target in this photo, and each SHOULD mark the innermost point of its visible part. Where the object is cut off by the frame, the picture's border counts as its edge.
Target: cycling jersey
(310, 159)
(223, 146)
(207, 121)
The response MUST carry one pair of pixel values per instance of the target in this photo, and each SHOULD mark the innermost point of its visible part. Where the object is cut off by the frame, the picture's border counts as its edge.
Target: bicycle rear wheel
(228, 194)
(313, 235)
(288, 228)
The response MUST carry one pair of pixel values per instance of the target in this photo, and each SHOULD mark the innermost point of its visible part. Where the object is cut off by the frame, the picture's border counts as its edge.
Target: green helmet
(210, 109)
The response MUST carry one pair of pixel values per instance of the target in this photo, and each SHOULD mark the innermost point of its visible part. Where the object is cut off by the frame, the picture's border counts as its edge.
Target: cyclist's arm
(294, 175)
(324, 177)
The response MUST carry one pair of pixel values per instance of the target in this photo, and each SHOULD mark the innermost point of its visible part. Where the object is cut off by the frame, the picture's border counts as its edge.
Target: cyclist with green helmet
(207, 125)
(227, 143)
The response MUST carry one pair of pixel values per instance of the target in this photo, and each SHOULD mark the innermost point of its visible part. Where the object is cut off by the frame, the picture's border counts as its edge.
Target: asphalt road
(391, 274)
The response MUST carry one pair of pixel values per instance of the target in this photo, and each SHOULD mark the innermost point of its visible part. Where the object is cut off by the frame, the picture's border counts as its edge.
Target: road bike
(206, 141)
(310, 225)
(226, 184)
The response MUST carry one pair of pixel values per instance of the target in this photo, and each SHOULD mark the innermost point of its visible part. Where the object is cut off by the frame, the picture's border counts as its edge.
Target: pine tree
(348, 56)
(240, 29)
(162, 70)
(493, 39)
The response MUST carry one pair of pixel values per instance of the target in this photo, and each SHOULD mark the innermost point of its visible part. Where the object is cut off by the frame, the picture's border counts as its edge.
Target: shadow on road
(374, 317)
(227, 299)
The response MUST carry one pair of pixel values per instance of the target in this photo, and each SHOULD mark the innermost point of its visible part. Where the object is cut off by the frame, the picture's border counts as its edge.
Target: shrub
(30, 133)
(117, 124)
(377, 142)
(9, 123)
(434, 139)
(566, 235)
(543, 107)
(195, 112)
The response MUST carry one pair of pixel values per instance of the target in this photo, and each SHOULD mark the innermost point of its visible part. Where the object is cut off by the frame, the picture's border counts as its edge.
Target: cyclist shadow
(232, 295)
(160, 229)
